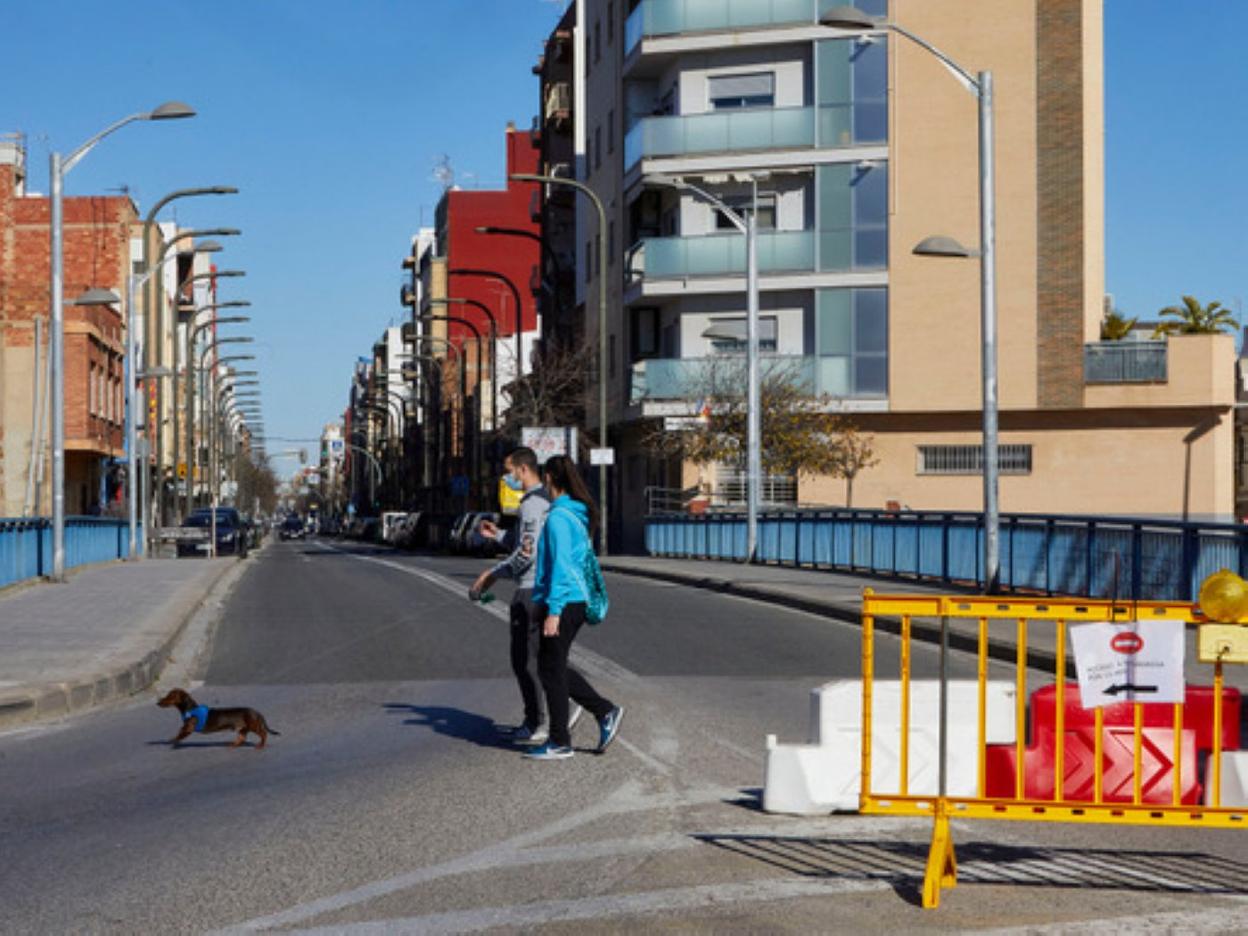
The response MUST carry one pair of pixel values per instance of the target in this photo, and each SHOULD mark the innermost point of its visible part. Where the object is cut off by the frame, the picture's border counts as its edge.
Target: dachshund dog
(196, 717)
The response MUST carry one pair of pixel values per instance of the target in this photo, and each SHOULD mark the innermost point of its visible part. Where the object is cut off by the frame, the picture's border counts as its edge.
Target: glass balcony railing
(672, 17)
(720, 254)
(763, 128)
(669, 379)
(1125, 362)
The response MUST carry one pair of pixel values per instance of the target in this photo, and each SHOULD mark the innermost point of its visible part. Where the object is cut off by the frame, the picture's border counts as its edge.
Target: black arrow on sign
(1129, 687)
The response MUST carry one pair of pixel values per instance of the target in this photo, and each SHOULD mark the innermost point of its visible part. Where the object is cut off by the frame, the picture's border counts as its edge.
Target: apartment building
(860, 146)
(96, 232)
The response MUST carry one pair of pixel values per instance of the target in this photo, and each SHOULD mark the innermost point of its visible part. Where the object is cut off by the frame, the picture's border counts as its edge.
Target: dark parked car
(231, 533)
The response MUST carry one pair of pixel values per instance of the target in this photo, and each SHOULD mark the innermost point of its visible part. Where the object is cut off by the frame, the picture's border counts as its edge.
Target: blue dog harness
(200, 716)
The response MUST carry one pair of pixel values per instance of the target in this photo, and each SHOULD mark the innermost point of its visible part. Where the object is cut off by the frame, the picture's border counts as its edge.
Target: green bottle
(486, 597)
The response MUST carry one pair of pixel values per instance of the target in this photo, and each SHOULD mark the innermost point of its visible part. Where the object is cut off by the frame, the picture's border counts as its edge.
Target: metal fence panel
(1102, 557)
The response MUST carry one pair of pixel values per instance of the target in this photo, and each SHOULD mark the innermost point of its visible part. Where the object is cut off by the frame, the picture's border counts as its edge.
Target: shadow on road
(453, 722)
(902, 864)
(198, 744)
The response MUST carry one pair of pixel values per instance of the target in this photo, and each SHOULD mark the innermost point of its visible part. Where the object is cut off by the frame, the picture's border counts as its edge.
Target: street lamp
(603, 360)
(753, 421)
(192, 332)
(158, 338)
(980, 85)
(191, 453)
(58, 168)
(136, 283)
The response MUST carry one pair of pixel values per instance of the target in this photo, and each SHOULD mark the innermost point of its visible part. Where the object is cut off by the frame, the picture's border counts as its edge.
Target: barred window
(969, 459)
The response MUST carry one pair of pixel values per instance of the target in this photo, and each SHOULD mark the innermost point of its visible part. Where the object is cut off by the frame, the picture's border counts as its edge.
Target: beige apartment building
(861, 146)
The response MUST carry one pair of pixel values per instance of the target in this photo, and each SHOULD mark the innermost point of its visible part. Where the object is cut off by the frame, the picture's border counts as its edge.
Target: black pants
(558, 680)
(526, 630)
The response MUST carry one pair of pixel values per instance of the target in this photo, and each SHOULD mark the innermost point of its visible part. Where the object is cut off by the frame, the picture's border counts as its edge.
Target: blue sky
(330, 117)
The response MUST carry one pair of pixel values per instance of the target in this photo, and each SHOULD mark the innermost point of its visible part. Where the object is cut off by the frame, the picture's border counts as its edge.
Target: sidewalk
(839, 596)
(103, 634)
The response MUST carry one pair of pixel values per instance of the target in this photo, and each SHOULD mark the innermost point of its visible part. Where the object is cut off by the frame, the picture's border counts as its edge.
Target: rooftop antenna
(443, 173)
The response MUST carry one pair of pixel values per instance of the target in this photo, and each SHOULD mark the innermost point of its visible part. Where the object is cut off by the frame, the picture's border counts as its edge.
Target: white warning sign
(1136, 661)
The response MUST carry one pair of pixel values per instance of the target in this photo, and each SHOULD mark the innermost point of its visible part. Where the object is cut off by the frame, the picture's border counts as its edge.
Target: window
(969, 459)
(728, 92)
(852, 216)
(851, 340)
(851, 91)
(645, 333)
(728, 335)
(610, 131)
(611, 356)
(743, 205)
(589, 261)
(597, 41)
(611, 243)
(610, 23)
(598, 147)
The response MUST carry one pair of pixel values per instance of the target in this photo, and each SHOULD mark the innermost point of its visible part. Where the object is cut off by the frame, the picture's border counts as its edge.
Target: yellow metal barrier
(1057, 614)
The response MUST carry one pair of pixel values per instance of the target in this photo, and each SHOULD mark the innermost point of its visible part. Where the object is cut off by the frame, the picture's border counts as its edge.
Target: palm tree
(1194, 319)
(1116, 326)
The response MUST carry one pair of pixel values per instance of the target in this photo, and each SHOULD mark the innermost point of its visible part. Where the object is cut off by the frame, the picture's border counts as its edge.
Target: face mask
(513, 482)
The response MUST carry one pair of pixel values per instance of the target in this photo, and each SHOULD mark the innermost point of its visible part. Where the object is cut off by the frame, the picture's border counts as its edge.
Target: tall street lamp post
(753, 417)
(136, 283)
(58, 168)
(192, 332)
(980, 85)
(603, 360)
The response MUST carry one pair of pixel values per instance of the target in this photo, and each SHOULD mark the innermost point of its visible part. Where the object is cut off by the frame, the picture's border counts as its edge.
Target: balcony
(721, 132)
(672, 17)
(724, 254)
(1114, 362)
(658, 380)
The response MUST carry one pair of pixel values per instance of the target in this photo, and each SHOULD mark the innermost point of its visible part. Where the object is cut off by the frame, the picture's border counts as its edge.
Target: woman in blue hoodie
(559, 591)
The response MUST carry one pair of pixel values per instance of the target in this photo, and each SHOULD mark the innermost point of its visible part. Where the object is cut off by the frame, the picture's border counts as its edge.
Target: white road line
(629, 798)
(587, 660)
(1232, 919)
(718, 896)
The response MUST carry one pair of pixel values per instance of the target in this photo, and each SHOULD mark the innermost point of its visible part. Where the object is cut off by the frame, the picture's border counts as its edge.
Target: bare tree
(553, 393)
(801, 434)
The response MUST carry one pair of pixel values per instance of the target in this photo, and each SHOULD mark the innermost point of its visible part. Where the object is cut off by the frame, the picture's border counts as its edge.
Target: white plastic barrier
(824, 775)
(1234, 779)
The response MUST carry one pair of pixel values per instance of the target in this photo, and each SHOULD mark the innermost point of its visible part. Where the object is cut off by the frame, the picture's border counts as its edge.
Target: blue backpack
(597, 604)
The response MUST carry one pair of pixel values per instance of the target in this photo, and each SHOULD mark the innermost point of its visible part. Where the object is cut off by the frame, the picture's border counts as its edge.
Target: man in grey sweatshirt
(522, 474)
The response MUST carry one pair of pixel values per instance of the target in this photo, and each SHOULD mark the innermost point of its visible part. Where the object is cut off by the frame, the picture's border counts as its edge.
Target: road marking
(585, 659)
(1224, 920)
(719, 896)
(526, 848)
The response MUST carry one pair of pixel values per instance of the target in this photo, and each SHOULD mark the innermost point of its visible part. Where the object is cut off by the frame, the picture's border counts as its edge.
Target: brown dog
(196, 717)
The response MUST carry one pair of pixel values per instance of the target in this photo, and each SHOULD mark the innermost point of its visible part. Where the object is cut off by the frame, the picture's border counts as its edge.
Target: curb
(924, 630)
(54, 700)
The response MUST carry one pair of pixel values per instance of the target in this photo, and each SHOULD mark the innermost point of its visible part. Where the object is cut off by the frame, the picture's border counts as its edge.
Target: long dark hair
(561, 473)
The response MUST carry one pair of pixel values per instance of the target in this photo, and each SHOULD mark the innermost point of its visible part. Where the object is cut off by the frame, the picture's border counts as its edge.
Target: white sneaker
(526, 735)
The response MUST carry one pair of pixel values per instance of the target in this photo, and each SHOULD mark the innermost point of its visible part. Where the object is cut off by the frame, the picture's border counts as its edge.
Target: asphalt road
(391, 802)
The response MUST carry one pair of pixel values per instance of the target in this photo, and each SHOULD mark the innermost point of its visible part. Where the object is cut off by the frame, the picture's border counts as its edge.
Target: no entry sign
(1141, 661)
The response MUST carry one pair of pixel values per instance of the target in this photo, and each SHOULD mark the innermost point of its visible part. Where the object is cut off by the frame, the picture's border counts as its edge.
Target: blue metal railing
(26, 545)
(1103, 557)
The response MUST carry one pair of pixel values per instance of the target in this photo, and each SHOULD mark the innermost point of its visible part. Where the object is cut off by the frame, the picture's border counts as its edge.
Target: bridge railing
(26, 544)
(1104, 557)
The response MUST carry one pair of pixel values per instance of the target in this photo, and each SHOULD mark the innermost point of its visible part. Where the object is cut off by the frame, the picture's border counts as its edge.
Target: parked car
(231, 533)
(456, 541)
(392, 522)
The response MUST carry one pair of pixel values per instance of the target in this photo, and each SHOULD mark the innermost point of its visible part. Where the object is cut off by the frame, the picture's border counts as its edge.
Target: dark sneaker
(574, 715)
(527, 735)
(549, 751)
(609, 727)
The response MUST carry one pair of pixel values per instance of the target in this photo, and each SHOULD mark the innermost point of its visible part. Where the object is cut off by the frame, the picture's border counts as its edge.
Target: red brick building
(97, 232)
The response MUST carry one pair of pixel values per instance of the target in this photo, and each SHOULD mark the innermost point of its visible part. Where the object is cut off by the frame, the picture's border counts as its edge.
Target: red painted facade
(515, 257)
